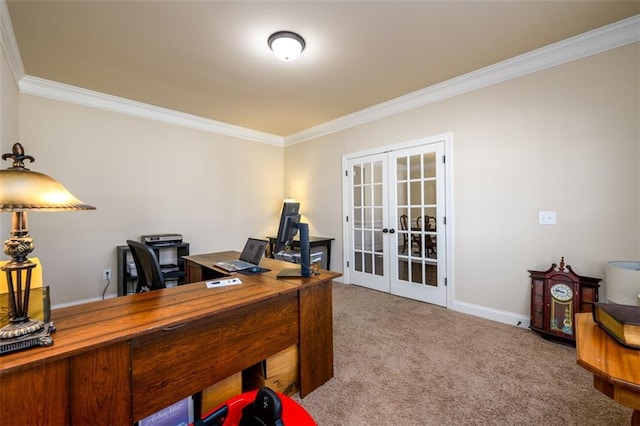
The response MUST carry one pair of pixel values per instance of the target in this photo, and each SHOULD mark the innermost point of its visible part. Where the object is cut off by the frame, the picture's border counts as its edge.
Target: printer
(159, 240)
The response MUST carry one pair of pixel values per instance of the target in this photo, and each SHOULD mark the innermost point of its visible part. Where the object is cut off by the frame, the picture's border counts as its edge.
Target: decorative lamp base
(14, 330)
(40, 337)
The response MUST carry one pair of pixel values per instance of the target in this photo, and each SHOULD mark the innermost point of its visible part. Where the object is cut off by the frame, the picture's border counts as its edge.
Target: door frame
(447, 138)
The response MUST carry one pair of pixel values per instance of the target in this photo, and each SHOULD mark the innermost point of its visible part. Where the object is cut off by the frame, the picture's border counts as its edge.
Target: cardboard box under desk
(219, 393)
(278, 372)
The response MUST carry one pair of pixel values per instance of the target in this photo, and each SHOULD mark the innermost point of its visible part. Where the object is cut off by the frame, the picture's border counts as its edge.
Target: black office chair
(149, 273)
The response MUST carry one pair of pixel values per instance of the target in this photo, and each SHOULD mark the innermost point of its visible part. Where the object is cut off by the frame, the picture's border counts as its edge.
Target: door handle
(385, 230)
(392, 231)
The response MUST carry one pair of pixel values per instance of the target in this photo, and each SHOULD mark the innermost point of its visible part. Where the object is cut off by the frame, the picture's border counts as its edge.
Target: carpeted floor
(402, 362)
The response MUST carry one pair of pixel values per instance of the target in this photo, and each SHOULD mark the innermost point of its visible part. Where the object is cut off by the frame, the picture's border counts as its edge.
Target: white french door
(395, 220)
(369, 242)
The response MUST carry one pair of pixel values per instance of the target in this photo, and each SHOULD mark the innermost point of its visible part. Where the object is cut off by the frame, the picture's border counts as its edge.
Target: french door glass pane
(429, 165)
(367, 202)
(357, 196)
(357, 218)
(357, 174)
(401, 168)
(379, 261)
(366, 213)
(357, 239)
(368, 264)
(377, 195)
(402, 193)
(377, 241)
(358, 261)
(367, 240)
(415, 193)
(415, 167)
(366, 173)
(429, 192)
(377, 173)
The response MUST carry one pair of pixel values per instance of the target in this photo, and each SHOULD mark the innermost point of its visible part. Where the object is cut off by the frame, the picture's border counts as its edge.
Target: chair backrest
(403, 222)
(149, 272)
(430, 223)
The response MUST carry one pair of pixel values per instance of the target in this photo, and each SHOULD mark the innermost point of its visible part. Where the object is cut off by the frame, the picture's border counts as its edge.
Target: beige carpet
(402, 362)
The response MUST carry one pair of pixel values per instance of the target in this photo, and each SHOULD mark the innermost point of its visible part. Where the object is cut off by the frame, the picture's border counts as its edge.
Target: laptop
(249, 258)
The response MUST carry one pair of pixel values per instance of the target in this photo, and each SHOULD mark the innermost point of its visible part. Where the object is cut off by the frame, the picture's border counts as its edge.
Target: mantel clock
(557, 294)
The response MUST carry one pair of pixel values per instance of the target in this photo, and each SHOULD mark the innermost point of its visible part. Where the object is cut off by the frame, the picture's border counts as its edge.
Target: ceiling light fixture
(286, 45)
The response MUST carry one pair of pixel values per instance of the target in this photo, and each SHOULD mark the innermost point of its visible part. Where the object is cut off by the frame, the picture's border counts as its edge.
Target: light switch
(547, 218)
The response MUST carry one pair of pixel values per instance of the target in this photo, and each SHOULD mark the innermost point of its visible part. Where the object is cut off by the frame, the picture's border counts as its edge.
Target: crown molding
(10, 44)
(590, 43)
(67, 93)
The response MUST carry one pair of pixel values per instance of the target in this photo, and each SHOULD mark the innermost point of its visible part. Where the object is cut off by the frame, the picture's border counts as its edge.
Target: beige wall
(8, 125)
(564, 139)
(144, 177)
(8, 106)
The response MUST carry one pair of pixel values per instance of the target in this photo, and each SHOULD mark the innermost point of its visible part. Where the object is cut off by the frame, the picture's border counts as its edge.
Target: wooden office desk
(119, 360)
(314, 242)
(615, 368)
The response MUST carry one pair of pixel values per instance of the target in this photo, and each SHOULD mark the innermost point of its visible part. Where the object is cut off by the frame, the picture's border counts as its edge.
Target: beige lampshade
(23, 189)
(623, 282)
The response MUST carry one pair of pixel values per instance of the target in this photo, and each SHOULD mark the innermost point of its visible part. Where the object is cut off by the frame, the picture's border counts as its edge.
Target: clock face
(561, 292)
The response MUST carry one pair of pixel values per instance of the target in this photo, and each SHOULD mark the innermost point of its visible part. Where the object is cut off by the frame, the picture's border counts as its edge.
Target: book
(177, 414)
(622, 322)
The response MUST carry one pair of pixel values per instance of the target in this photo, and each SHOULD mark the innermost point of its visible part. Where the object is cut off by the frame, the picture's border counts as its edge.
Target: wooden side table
(615, 368)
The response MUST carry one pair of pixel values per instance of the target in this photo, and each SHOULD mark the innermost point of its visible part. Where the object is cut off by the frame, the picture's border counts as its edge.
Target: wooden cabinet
(557, 294)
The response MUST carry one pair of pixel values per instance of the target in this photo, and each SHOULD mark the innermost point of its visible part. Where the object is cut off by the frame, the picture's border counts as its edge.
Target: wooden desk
(314, 242)
(119, 360)
(615, 368)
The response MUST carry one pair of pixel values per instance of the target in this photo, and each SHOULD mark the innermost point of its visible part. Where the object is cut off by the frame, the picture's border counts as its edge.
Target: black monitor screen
(289, 219)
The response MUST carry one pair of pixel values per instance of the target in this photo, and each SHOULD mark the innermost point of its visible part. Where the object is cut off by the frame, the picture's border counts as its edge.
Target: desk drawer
(171, 364)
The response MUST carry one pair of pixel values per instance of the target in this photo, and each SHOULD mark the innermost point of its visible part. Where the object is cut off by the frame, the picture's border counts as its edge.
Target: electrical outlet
(106, 274)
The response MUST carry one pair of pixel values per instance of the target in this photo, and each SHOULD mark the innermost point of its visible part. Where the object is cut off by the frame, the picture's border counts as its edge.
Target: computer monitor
(289, 218)
(289, 226)
(304, 270)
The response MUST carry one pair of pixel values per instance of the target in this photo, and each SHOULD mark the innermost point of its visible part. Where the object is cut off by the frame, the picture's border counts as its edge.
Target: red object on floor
(292, 413)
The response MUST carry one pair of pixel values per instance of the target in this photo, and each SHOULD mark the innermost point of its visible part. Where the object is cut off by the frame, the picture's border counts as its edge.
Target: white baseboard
(492, 314)
(82, 302)
(505, 317)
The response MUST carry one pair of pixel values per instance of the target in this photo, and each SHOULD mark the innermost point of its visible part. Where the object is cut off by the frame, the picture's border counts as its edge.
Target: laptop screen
(253, 250)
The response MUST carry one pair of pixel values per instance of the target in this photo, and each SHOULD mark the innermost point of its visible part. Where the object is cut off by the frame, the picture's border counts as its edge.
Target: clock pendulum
(567, 323)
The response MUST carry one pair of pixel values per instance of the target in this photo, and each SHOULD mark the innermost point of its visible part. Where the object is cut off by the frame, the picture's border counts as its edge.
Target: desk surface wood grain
(96, 324)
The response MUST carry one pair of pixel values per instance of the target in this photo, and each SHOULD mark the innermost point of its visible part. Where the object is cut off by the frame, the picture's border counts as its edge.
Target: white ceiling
(211, 59)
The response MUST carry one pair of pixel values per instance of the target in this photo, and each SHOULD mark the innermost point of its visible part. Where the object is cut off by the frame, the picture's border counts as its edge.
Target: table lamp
(21, 190)
(623, 282)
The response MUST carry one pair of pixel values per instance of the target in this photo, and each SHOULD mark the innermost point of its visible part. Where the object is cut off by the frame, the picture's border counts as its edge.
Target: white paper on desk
(222, 283)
